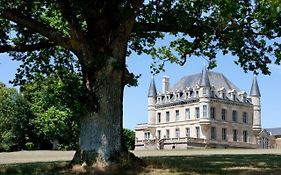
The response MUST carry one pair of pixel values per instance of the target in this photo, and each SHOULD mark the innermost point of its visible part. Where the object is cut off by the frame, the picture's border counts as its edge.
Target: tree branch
(25, 48)
(32, 24)
(69, 15)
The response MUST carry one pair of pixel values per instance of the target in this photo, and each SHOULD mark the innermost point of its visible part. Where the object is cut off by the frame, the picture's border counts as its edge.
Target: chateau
(202, 110)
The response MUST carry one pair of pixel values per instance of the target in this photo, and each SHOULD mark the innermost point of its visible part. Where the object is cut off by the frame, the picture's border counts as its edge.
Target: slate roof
(152, 89)
(255, 91)
(274, 131)
(217, 80)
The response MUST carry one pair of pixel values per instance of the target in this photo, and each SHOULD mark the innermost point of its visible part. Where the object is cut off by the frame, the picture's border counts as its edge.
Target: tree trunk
(101, 126)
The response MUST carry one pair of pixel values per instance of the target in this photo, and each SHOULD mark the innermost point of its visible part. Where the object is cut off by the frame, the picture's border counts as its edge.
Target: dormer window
(234, 97)
(204, 91)
(223, 95)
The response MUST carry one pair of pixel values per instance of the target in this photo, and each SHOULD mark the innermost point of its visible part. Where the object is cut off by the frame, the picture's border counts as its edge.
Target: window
(245, 117)
(213, 133)
(213, 113)
(234, 135)
(159, 117)
(234, 115)
(205, 111)
(159, 134)
(187, 113)
(212, 94)
(197, 112)
(223, 132)
(223, 114)
(245, 136)
(147, 135)
(197, 93)
(167, 133)
(177, 115)
(187, 132)
(167, 116)
(204, 91)
(177, 132)
(234, 97)
(197, 132)
(223, 95)
(244, 99)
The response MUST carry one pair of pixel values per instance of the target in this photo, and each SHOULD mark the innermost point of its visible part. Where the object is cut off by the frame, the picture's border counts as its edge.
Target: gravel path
(49, 156)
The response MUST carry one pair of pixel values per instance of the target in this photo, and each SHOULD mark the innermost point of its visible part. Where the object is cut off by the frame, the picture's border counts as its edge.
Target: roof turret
(152, 89)
(204, 80)
(255, 91)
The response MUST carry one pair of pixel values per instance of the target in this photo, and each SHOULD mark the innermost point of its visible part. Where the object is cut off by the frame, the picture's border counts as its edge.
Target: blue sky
(135, 98)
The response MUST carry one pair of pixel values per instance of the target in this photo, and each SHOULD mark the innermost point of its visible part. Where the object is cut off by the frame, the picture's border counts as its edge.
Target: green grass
(212, 164)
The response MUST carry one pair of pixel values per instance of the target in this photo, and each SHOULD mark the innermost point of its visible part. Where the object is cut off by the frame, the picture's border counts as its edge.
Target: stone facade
(201, 110)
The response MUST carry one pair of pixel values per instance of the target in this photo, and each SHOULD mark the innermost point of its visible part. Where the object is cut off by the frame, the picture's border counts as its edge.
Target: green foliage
(129, 138)
(55, 102)
(29, 145)
(16, 120)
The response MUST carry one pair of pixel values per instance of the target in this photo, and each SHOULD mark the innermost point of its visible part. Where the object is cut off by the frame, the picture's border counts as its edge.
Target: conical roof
(255, 91)
(152, 89)
(204, 81)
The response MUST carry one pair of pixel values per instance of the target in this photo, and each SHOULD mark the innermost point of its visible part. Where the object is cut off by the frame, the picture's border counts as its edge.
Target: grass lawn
(193, 164)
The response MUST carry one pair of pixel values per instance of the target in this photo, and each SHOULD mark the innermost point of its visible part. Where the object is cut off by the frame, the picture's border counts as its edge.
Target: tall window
(177, 133)
(213, 133)
(167, 133)
(187, 132)
(187, 113)
(245, 117)
(223, 132)
(197, 132)
(245, 136)
(213, 113)
(159, 134)
(204, 111)
(177, 115)
(167, 116)
(159, 117)
(197, 112)
(234, 115)
(234, 135)
(223, 114)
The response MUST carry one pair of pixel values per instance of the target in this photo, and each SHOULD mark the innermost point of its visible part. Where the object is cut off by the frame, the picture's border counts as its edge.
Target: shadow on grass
(213, 164)
(217, 164)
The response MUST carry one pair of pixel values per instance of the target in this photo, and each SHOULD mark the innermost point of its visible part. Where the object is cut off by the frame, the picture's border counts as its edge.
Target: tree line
(44, 115)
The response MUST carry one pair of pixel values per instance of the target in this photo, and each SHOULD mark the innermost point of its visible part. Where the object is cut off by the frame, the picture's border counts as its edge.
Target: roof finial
(255, 91)
(204, 81)
(152, 89)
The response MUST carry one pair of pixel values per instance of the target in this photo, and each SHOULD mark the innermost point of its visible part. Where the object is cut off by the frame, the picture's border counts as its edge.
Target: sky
(135, 98)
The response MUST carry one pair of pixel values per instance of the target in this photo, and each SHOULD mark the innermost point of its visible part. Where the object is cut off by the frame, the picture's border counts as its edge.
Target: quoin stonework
(203, 110)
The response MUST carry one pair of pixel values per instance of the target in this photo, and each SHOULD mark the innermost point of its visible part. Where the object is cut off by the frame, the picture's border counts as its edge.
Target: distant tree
(54, 101)
(129, 138)
(16, 120)
(101, 33)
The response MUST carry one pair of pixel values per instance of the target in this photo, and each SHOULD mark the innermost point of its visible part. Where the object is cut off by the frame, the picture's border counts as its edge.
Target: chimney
(165, 84)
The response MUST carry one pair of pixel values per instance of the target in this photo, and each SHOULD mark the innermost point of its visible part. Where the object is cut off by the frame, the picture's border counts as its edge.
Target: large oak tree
(100, 34)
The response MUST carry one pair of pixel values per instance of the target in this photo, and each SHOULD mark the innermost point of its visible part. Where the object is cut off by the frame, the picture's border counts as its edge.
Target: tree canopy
(94, 37)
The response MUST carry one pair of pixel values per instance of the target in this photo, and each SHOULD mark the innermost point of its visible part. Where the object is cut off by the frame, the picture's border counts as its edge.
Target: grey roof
(274, 131)
(204, 80)
(152, 89)
(217, 80)
(255, 91)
